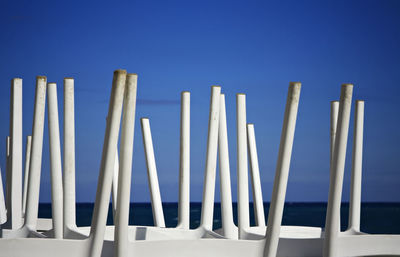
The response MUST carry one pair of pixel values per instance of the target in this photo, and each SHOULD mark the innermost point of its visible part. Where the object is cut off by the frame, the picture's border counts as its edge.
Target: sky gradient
(248, 47)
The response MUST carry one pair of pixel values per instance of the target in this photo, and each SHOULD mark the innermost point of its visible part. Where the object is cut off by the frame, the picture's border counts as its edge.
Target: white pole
(3, 211)
(8, 180)
(14, 212)
(114, 191)
(55, 161)
(334, 118)
(228, 226)
(356, 169)
(110, 145)
(156, 203)
(242, 164)
(255, 177)
(207, 207)
(32, 201)
(282, 170)
(69, 156)
(26, 172)
(127, 132)
(184, 164)
(332, 227)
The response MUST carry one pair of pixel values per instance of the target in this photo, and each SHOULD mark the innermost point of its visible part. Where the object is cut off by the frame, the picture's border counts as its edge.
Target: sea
(376, 218)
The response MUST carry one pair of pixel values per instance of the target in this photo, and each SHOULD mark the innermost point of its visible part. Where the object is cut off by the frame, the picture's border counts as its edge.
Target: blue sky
(248, 47)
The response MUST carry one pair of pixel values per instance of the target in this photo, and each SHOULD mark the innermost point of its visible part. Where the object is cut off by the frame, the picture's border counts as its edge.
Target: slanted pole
(156, 203)
(334, 119)
(26, 173)
(121, 244)
(69, 157)
(3, 210)
(258, 203)
(184, 163)
(8, 176)
(228, 226)
(282, 170)
(14, 169)
(356, 169)
(55, 162)
(332, 226)
(110, 145)
(32, 200)
(207, 207)
(242, 164)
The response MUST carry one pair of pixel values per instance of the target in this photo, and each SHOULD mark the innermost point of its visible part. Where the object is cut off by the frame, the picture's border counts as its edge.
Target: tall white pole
(3, 210)
(114, 191)
(184, 163)
(8, 178)
(282, 170)
(121, 248)
(228, 226)
(255, 177)
(207, 208)
(156, 203)
(26, 173)
(69, 156)
(55, 162)
(332, 226)
(14, 210)
(242, 164)
(32, 201)
(356, 169)
(110, 145)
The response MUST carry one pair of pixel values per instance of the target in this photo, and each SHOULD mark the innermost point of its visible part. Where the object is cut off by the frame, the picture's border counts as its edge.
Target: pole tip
(119, 72)
(41, 78)
(68, 78)
(52, 84)
(132, 74)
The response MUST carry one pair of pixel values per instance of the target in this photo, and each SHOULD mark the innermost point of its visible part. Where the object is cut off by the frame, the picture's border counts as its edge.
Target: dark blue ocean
(375, 217)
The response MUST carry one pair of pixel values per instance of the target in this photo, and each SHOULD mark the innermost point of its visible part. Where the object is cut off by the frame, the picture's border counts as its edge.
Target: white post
(32, 201)
(110, 145)
(255, 178)
(55, 162)
(8, 177)
(69, 156)
(334, 118)
(114, 191)
(3, 211)
(228, 226)
(156, 203)
(332, 228)
(282, 170)
(184, 164)
(14, 210)
(242, 164)
(124, 183)
(207, 207)
(356, 169)
(26, 172)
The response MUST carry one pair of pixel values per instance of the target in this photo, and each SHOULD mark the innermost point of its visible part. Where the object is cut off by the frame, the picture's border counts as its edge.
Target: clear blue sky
(245, 46)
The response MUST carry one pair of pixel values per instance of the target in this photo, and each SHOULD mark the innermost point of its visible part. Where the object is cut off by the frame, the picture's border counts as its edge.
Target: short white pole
(332, 228)
(26, 173)
(69, 156)
(114, 191)
(242, 165)
(356, 169)
(207, 207)
(55, 161)
(14, 212)
(184, 164)
(124, 183)
(282, 170)
(228, 226)
(32, 200)
(255, 177)
(3, 211)
(99, 219)
(334, 118)
(156, 203)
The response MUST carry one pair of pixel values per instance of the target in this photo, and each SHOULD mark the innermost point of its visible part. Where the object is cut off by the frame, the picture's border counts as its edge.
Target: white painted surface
(26, 173)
